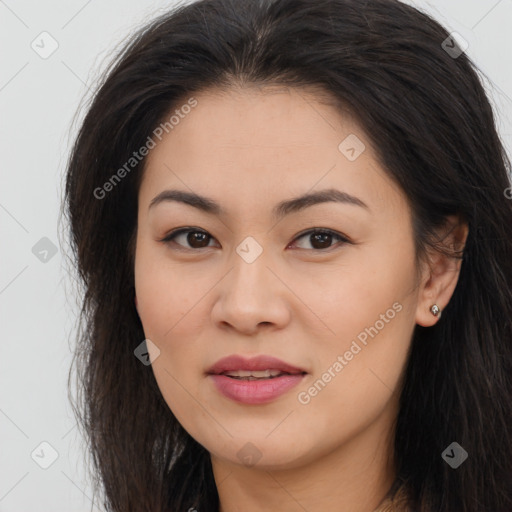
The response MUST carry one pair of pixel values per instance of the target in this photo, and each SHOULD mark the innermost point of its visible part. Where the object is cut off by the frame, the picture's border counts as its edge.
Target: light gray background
(38, 99)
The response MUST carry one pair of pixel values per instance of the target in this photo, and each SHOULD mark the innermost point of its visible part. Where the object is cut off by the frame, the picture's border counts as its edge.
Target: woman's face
(252, 279)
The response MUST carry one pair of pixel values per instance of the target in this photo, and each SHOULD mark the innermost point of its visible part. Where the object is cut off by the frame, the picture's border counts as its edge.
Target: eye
(199, 239)
(322, 238)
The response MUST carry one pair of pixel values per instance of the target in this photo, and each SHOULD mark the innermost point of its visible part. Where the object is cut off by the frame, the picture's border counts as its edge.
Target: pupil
(196, 236)
(323, 237)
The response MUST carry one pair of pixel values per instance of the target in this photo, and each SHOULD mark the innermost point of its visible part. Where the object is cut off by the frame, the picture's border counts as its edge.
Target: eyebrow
(280, 210)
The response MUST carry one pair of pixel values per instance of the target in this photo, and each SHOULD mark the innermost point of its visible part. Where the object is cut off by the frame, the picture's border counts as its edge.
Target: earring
(434, 309)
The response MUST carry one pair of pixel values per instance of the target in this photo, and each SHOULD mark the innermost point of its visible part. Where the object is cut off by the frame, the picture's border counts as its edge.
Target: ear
(440, 272)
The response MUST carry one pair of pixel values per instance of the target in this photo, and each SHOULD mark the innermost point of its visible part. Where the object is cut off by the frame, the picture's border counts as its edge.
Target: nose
(251, 297)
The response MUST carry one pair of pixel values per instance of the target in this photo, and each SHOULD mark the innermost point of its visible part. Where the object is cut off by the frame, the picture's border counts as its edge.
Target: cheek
(350, 295)
(164, 299)
(161, 295)
(369, 309)
(172, 313)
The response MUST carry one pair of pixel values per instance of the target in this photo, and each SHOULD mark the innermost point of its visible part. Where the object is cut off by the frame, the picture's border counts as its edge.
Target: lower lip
(255, 391)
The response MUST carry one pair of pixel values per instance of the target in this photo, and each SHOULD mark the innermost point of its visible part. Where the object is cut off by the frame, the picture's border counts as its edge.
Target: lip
(263, 362)
(254, 391)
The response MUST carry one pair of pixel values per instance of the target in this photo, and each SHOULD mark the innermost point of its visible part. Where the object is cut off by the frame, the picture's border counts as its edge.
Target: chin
(263, 454)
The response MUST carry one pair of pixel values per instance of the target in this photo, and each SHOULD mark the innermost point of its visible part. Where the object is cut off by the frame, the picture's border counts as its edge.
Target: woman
(292, 224)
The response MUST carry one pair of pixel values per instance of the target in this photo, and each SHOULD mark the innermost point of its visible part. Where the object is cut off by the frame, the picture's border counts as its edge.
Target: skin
(249, 150)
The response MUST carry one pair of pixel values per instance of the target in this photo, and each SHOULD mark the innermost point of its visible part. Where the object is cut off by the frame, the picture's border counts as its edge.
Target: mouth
(254, 381)
(257, 375)
(259, 367)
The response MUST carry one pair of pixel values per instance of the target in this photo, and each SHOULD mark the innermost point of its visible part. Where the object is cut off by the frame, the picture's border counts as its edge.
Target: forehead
(266, 117)
(257, 141)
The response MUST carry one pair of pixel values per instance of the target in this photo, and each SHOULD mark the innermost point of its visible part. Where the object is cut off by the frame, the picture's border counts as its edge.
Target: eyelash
(173, 234)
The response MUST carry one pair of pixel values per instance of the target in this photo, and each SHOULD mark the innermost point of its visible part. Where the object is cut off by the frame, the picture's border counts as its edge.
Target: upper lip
(263, 362)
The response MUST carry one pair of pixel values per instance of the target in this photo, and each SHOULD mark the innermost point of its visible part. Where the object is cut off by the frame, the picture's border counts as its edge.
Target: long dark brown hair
(424, 109)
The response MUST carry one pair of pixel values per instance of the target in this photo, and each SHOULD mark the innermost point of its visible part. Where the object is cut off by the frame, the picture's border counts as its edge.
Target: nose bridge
(250, 294)
(250, 270)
